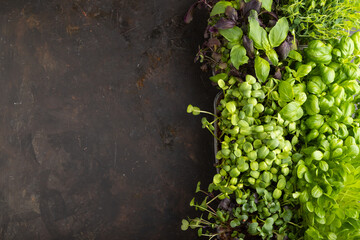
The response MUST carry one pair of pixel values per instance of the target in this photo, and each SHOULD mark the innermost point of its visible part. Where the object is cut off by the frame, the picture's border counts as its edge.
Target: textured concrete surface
(95, 142)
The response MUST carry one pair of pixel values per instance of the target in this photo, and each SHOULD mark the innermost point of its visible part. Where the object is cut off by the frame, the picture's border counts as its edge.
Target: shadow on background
(95, 139)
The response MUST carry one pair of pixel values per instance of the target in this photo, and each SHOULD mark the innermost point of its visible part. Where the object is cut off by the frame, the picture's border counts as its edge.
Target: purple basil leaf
(213, 42)
(252, 5)
(204, 68)
(224, 204)
(224, 24)
(223, 65)
(256, 200)
(283, 50)
(231, 13)
(290, 40)
(234, 72)
(216, 56)
(249, 46)
(189, 15)
(277, 74)
(213, 29)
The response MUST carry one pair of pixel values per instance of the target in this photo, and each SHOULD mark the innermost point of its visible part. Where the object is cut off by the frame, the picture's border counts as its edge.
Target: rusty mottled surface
(95, 142)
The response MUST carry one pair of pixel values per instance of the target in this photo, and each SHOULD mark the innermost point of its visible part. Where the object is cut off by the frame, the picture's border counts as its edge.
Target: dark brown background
(95, 142)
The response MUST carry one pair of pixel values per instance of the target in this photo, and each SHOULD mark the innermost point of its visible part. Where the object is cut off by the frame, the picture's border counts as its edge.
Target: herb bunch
(321, 19)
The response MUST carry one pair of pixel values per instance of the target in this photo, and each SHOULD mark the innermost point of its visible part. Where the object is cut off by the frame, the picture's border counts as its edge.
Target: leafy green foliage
(324, 20)
(238, 56)
(220, 7)
(232, 34)
(279, 32)
(288, 137)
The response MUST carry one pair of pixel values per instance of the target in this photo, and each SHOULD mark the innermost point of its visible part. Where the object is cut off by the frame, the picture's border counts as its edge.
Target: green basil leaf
(257, 33)
(279, 32)
(295, 55)
(356, 39)
(292, 112)
(315, 85)
(311, 105)
(262, 69)
(346, 46)
(220, 8)
(217, 77)
(316, 192)
(315, 121)
(318, 52)
(272, 55)
(232, 34)
(286, 91)
(352, 87)
(238, 56)
(267, 4)
(303, 70)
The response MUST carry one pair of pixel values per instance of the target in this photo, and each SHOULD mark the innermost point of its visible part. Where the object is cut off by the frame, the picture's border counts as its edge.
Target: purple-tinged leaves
(213, 29)
(189, 15)
(252, 5)
(216, 56)
(213, 42)
(224, 204)
(277, 74)
(224, 24)
(283, 50)
(204, 67)
(231, 13)
(249, 46)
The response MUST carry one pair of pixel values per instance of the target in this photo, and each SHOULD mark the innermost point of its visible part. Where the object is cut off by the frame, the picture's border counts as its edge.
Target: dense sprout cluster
(287, 128)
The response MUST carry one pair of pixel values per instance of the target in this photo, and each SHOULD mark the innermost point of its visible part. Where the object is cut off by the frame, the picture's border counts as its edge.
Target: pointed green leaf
(220, 7)
(217, 77)
(279, 32)
(238, 56)
(267, 4)
(286, 91)
(262, 69)
(198, 189)
(295, 55)
(257, 33)
(272, 55)
(303, 70)
(232, 34)
(292, 112)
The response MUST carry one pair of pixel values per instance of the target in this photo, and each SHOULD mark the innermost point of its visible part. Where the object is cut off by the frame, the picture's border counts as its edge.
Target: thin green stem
(295, 224)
